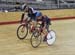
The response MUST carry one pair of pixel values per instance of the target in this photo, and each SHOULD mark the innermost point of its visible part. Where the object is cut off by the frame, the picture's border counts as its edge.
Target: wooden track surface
(14, 16)
(64, 45)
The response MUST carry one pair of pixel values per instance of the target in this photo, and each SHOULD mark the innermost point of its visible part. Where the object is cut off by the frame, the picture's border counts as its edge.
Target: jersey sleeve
(33, 11)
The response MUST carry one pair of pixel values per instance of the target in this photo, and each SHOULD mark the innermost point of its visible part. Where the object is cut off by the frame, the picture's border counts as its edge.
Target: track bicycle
(36, 36)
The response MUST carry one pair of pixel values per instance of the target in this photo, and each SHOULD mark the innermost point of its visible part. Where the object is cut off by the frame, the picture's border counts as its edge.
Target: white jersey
(34, 11)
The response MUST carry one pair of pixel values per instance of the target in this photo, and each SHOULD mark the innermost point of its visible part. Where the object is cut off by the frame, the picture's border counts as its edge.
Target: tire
(22, 34)
(51, 37)
(36, 39)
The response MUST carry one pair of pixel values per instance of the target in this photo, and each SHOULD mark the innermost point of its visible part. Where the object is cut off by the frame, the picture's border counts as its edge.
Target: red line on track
(53, 19)
(62, 18)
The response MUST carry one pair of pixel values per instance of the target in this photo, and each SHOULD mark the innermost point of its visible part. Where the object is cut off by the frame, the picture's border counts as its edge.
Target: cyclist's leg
(33, 24)
(47, 27)
(38, 15)
(45, 34)
(32, 21)
(33, 17)
(46, 30)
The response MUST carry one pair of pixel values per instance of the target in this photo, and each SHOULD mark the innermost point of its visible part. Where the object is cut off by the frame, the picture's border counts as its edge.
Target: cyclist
(32, 14)
(45, 22)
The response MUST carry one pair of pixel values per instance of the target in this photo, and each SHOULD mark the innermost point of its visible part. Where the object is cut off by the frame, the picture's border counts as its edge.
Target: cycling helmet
(24, 6)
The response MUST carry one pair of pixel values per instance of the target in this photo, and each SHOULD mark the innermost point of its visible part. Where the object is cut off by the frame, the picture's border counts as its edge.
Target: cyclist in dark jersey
(45, 22)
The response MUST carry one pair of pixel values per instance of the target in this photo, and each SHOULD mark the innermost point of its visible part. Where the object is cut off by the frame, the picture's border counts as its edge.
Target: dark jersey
(45, 20)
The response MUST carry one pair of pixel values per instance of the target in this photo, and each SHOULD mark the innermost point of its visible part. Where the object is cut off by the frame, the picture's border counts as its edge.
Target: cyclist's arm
(22, 17)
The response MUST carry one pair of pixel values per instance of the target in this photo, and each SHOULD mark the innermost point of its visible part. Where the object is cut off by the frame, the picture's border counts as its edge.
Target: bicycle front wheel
(22, 32)
(35, 39)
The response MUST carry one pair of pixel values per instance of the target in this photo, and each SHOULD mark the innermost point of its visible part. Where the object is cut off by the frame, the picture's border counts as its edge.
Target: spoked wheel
(51, 37)
(35, 39)
(22, 31)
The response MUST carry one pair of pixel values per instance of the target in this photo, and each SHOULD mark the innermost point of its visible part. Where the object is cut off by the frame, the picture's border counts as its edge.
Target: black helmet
(24, 6)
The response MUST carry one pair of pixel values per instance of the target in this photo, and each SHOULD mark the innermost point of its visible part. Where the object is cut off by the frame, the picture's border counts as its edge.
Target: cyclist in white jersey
(32, 13)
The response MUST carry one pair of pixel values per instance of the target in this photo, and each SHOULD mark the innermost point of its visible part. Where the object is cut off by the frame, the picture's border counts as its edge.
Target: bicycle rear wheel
(51, 37)
(35, 39)
(22, 32)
